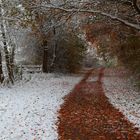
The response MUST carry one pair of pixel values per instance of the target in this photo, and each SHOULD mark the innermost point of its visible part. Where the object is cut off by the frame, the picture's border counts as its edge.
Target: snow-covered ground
(122, 95)
(28, 110)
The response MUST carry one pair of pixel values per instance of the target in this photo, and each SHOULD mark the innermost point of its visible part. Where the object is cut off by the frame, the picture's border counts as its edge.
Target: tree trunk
(12, 56)
(45, 57)
(5, 45)
(7, 58)
(1, 72)
(52, 66)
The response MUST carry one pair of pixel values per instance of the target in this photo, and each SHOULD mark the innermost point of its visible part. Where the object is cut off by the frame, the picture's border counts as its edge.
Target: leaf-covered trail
(87, 114)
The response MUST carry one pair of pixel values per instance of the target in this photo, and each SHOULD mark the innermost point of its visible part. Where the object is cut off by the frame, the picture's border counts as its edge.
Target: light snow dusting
(28, 110)
(122, 95)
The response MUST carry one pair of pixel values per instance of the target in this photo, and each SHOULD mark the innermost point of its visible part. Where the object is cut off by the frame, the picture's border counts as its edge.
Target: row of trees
(49, 37)
(45, 18)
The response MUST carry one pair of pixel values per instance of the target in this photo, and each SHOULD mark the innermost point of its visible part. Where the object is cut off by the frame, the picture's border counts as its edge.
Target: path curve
(87, 114)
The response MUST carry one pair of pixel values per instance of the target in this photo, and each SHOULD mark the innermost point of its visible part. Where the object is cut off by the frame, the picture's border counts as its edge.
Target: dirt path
(87, 115)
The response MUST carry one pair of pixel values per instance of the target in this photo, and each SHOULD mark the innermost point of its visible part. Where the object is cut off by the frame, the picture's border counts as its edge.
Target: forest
(70, 69)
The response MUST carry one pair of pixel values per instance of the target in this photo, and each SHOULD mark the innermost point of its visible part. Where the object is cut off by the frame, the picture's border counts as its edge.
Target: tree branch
(125, 22)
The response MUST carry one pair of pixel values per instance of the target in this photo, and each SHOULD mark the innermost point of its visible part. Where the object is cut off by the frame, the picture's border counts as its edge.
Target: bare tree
(45, 57)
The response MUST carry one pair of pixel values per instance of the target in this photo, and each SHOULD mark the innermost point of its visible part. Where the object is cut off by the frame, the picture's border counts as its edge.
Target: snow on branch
(125, 22)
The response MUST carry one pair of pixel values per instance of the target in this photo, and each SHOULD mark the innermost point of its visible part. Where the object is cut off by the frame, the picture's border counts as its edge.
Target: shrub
(129, 55)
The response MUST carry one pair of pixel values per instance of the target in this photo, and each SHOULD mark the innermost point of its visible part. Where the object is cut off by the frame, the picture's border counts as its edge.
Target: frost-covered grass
(28, 110)
(122, 95)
